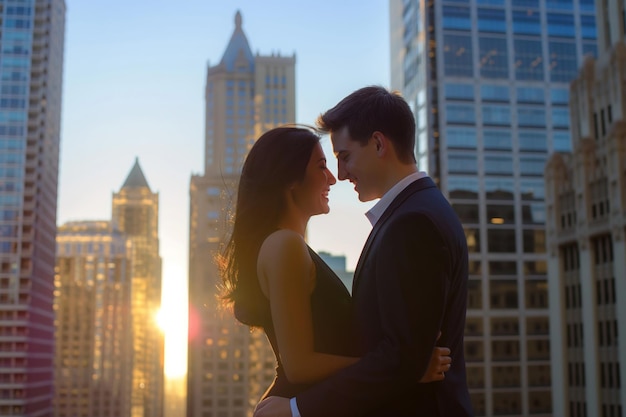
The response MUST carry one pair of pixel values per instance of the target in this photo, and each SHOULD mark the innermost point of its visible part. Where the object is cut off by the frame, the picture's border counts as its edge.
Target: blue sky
(134, 83)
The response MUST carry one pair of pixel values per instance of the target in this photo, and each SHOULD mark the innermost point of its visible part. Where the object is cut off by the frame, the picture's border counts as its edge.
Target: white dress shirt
(373, 214)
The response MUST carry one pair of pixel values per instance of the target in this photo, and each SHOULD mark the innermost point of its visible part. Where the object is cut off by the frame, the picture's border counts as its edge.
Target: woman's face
(311, 195)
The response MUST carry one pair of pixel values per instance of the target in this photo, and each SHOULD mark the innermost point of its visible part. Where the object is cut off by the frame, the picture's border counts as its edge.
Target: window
(459, 163)
(497, 139)
(460, 113)
(528, 59)
(561, 25)
(526, 22)
(494, 93)
(493, 55)
(501, 240)
(496, 115)
(459, 91)
(532, 141)
(531, 95)
(456, 18)
(491, 20)
(457, 55)
(461, 138)
(498, 164)
(563, 62)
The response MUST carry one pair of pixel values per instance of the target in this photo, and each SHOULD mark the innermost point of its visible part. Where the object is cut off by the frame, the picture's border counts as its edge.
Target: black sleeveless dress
(333, 331)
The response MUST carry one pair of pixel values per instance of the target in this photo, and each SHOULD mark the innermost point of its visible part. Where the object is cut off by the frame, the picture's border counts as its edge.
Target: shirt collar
(374, 214)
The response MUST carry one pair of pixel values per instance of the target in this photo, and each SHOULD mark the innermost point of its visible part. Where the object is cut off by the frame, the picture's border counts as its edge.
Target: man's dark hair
(372, 109)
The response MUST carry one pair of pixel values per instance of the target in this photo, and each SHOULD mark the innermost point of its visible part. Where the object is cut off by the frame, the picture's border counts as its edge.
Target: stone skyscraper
(586, 206)
(488, 82)
(246, 94)
(135, 213)
(31, 66)
(94, 346)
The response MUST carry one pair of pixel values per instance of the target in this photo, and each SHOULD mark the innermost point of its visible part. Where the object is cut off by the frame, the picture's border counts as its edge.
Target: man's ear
(381, 142)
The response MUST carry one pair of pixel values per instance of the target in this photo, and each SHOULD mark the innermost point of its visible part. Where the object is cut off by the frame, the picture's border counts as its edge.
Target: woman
(274, 280)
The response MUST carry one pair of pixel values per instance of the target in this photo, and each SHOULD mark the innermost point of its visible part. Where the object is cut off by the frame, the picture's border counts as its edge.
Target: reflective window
(505, 376)
(500, 214)
(539, 376)
(474, 294)
(528, 59)
(504, 326)
(478, 402)
(587, 5)
(559, 4)
(534, 241)
(559, 95)
(499, 188)
(457, 55)
(460, 113)
(588, 26)
(474, 326)
(534, 213)
(474, 351)
(500, 268)
(468, 213)
(526, 3)
(459, 91)
(531, 116)
(532, 164)
(493, 57)
(461, 137)
(491, 20)
(475, 378)
(537, 326)
(532, 189)
(505, 403)
(540, 402)
(497, 139)
(505, 350)
(503, 293)
(535, 268)
(496, 115)
(501, 240)
(538, 349)
(560, 117)
(531, 95)
(462, 163)
(472, 236)
(562, 142)
(457, 18)
(498, 164)
(590, 49)
(466, 188)
(561, 25)
(526, 22)
(494, 93)
(532, 141)
(563, 61)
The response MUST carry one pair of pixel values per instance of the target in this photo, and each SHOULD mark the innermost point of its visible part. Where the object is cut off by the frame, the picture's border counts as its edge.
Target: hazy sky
(134, 84)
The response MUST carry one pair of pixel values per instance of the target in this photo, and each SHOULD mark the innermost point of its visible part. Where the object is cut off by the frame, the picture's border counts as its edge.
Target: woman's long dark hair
(278, 159)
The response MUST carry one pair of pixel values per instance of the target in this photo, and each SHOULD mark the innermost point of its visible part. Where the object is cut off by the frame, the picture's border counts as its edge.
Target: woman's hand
(440, 362)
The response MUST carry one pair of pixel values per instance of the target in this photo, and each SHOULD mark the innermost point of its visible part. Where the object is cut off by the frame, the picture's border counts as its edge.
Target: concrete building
(31, 67)
(246, 94)
(135, 213)
(94, 345)
(488, 82)
(586, 206)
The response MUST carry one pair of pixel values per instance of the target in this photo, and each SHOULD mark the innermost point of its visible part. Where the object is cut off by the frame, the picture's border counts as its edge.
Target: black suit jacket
(410, 283)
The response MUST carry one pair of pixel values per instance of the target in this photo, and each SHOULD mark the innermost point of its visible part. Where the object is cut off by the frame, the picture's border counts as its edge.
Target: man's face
(358, 164)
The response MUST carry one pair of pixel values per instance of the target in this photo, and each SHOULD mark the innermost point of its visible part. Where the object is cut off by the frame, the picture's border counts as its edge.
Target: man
(410, 282)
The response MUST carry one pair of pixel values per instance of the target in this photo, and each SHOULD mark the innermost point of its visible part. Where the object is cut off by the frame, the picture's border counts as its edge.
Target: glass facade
(31, 64)
(497, 85)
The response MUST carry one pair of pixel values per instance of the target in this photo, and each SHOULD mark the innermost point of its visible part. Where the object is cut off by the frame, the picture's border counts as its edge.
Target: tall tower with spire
(246, 94)
(135, 213)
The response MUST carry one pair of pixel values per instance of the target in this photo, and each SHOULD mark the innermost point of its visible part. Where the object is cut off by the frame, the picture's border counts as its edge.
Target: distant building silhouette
(229, 366)
(135, 212)
(31, 59)
(94, 345)
(488, 83)
(338, 264)
(586, 206)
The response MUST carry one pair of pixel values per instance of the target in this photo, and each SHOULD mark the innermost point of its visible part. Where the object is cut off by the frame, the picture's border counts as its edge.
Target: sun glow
(172, 319)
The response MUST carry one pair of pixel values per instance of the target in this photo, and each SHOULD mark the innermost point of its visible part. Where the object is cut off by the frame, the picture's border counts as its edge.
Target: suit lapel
(414, 187)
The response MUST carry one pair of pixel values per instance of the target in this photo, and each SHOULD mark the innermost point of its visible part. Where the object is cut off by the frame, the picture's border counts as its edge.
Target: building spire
(135, 178)
(238, 20)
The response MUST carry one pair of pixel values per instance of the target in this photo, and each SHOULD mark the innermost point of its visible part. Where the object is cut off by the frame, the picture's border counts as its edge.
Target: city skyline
(134, 90)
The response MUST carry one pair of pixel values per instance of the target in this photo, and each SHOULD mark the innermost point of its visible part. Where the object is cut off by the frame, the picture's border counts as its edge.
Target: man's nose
(342, 174)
